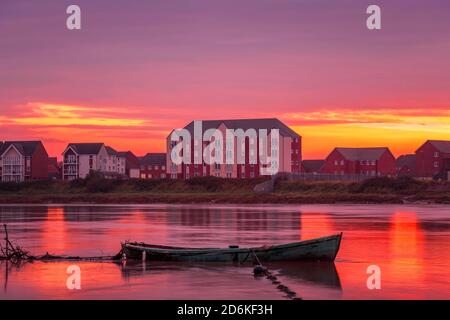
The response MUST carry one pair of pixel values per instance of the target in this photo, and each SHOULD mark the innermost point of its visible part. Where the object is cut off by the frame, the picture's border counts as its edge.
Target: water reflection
(410, 244)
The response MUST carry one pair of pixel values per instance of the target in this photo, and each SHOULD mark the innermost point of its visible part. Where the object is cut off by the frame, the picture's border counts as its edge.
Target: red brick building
(289, 151)
(153, 166)
(23, 160)
(360, 161)
(433, 159)
(406, 165)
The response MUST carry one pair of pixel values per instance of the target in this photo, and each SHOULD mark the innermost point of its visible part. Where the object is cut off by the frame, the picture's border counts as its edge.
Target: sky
(138, 69)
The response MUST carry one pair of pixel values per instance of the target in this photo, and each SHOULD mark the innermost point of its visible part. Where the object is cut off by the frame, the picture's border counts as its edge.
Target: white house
(81, 158)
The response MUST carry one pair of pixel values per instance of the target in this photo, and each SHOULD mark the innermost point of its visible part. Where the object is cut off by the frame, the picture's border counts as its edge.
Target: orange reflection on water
(54, 235)
(406, 248)
(314, 225)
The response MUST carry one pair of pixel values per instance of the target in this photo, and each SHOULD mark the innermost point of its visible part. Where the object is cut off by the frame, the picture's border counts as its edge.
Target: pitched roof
(408, 160)
(26, 148)
(86, 148)
(245, 124)
(111, 151)
(312, 165)
(131, 160)
(153, 159)
(357, 154)
(441, 145)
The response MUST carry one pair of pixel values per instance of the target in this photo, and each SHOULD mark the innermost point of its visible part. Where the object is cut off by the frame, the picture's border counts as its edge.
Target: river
(409, 244)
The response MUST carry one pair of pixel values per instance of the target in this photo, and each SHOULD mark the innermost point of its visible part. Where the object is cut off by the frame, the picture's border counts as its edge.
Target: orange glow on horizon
(135, 129)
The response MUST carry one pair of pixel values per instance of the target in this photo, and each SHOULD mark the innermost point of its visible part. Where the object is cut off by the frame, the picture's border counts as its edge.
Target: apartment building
(288, 157)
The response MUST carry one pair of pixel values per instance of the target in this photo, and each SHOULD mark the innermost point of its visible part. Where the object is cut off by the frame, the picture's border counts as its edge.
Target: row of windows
(368, 173)
(154, 167)
(362, 162)
(12, 178)
(150, 176)
(12, 160)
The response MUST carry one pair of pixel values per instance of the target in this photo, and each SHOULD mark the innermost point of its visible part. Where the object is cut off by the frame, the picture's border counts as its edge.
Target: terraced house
(153, 166)
(360, 161)
(288, 157)
(23, 160)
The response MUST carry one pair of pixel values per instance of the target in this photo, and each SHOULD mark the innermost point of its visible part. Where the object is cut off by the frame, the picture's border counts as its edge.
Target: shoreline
(215, 198)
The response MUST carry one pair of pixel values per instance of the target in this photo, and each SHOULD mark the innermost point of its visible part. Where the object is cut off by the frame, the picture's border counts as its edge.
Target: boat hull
(320, 249)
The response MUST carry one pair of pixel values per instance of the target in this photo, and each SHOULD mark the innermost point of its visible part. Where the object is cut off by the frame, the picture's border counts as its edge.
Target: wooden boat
(319, 249)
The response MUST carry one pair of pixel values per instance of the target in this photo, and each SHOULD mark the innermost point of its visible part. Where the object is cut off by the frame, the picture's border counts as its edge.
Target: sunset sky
(138, 69)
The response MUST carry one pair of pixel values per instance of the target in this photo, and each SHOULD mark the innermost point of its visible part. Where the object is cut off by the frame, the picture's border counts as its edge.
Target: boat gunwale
(183, 250)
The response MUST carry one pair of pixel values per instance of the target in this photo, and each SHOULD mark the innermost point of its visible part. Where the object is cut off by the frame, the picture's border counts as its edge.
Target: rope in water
(261, 270)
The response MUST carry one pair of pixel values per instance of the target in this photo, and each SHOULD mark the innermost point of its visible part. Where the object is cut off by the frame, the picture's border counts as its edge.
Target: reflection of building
(360, 161)
(23, 160)
(289, 150)
(433, 159)
(153, 166)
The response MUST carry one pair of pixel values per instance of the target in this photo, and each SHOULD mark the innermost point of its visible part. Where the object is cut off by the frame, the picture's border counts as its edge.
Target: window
(163, 175)
(335, 162)
(373, 162)
(156, 167)
(71, 158)
(436, 164)
(228, 174)
(252, 174)
(195, 174)
(143, 176)
(436, 154)
(163, 167)
(342, 162)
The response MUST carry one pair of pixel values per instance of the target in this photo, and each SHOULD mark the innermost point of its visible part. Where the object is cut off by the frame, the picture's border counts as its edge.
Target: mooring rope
(261, 270)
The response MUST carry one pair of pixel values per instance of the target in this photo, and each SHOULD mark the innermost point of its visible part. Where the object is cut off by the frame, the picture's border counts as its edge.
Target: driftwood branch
(11, 252)
(17, 254)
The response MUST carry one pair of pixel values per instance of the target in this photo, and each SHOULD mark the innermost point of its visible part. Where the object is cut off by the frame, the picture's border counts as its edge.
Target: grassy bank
(215, 190)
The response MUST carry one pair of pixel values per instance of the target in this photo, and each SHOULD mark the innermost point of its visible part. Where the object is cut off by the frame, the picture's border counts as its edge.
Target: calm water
(411, 245)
